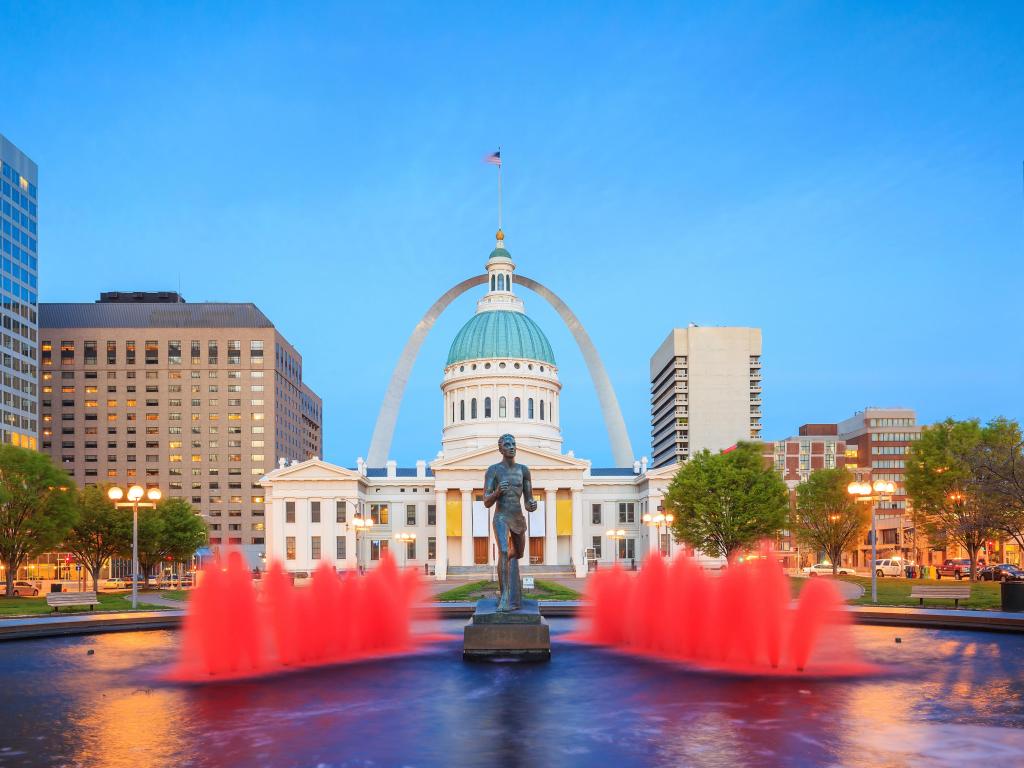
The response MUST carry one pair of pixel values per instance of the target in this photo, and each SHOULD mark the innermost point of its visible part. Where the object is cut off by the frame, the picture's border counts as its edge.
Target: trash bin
(56, 586)
(1011, 596)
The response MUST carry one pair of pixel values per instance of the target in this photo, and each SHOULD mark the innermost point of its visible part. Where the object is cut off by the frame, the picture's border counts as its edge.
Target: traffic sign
(78, 566)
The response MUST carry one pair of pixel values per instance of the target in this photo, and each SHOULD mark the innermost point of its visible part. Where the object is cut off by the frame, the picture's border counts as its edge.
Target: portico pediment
(313, 470)
(535, 458)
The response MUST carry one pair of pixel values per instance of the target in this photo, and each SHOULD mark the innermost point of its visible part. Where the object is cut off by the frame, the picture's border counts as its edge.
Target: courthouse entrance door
(536, 550)
(480, 549)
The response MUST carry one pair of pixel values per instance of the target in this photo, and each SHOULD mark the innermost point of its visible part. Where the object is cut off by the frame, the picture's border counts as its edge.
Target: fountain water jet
(232, 630)
(742, 622)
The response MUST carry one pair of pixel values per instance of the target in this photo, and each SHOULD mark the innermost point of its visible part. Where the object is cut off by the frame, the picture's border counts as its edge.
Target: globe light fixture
(134, 500)
(878, 491)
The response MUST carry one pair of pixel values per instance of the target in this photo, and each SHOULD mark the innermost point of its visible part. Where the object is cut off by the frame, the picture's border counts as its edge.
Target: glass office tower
(19, 398)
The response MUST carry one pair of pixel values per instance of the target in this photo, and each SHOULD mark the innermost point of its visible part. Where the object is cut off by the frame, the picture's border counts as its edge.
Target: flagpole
(499, 187)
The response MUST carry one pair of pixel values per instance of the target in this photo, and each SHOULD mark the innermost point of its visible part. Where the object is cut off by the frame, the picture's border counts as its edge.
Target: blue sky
(848, 177)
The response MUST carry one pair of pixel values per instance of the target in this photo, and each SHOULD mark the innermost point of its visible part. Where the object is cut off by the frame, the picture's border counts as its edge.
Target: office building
(19, 409)
(199, 400)
(705, 391)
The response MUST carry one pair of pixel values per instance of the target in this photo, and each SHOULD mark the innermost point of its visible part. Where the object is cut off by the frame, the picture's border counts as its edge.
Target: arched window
(517, 411)
(462, 410)
(501, 282)
(542, 410)
(487, 407)
(502, 408)
(472, 408)
(529, 408)
(453, 411)
(492, 282)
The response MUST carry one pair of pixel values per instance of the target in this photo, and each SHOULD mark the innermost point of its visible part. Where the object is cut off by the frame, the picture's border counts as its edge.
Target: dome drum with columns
(500, 375)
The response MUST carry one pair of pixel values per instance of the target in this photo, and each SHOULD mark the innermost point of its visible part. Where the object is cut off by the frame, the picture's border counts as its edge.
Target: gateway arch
(384, 431)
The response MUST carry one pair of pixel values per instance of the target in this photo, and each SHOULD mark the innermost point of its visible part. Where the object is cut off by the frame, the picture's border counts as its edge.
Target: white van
(890, 567)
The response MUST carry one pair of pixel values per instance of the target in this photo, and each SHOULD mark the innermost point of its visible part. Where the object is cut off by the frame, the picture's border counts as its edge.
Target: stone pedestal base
(521, 634)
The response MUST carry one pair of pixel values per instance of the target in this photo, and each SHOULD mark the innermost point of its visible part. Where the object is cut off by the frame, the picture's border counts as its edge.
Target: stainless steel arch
(384, 430)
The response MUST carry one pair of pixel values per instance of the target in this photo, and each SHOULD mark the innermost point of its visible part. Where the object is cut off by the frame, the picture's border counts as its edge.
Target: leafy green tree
(947, 485)
(36, 507)
(828, 518)
(1000, 469)
(725, 502)
(172, 530)
(101, 532)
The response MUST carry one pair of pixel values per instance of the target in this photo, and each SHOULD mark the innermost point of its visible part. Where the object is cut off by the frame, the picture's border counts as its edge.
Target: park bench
(57, 599)
(956, 594)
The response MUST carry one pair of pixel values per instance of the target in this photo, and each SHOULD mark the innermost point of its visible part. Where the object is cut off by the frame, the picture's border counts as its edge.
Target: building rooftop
(160, 314)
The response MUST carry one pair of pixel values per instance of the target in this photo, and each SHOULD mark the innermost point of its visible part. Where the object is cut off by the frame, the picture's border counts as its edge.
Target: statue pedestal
(521, 634)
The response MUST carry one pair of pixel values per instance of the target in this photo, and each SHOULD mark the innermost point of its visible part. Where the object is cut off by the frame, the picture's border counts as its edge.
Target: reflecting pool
(951, 697)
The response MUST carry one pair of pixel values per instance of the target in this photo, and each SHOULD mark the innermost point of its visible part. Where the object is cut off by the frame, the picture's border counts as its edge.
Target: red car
(958, 569)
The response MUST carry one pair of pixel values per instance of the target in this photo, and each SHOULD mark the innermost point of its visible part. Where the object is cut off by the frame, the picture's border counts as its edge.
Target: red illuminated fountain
(742, 622)
(232, 630)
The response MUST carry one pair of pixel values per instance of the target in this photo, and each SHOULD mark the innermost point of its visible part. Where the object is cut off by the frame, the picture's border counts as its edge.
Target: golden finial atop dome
(500, 235)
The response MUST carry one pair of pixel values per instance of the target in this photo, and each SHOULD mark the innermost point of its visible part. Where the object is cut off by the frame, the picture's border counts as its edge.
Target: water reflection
(61, 706)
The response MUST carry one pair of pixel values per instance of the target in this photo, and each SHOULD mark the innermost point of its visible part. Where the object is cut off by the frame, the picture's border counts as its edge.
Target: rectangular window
(410, 550)
(129, 352)
(627, 512)
(314, 511)
(314, 547)
(256, 350)
(597, 547)
(627, 549)
(196, 350)
(152, 352)
(234, 352)
(410, 514)
(211, 352)
(431, 514)
(431, 548)
(67, 353)
(339, 511)
(289, 511)
(174, 352)
(379, 514)
(340, 548)
(90, 353)
(377, 546)
(595, 514)
(289, 547)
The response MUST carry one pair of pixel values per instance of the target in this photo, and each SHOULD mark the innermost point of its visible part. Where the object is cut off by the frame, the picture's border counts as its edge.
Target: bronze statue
(504, 483)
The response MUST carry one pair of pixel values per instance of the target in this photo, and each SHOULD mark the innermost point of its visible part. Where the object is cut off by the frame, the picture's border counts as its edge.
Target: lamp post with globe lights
(135, 494)
(881, 491)
(616, 536)
(656, 522)
(361, 523)
(406, 538)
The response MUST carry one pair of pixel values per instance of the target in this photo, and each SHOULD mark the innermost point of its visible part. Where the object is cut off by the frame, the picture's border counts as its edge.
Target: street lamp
(879, 490)
(361, 523)
(135, 494)
(616, 536)
(406, 538)
(656, 522)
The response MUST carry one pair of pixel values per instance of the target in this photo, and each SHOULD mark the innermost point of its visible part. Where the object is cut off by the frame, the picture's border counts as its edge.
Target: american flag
(494, 158)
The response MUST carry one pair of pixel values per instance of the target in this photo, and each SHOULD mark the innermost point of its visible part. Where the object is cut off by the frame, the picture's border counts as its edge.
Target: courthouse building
(501, 375)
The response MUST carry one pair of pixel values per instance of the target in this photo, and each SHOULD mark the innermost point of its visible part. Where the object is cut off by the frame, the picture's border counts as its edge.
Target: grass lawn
(984, 594)
(545, 590)
(35, 606)
(173, 594)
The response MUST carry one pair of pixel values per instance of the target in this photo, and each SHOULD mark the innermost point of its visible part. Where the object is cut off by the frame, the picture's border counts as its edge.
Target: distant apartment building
(882, 437)
(199, 400)
(19, 409)
(705, 391)
(816, 446)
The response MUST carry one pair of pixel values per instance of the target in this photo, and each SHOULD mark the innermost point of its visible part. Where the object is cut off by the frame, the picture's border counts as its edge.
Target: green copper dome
(500, 333)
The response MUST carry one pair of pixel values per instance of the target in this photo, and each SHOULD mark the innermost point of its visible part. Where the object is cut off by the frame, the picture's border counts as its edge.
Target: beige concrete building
(199, 400)
(705, 391)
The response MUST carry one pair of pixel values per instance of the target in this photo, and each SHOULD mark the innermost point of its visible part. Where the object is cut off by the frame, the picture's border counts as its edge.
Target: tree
(946, 484)
(36, 507)
(172, 530)
(725, 502)
(101, 532)
(828, 518)
(1000, 470)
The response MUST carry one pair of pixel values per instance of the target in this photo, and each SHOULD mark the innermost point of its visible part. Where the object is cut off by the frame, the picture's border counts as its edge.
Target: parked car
(1004, 572)
(958, 568)
(825, 569)
(114, 584)
(22, 588)
(889, 567)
